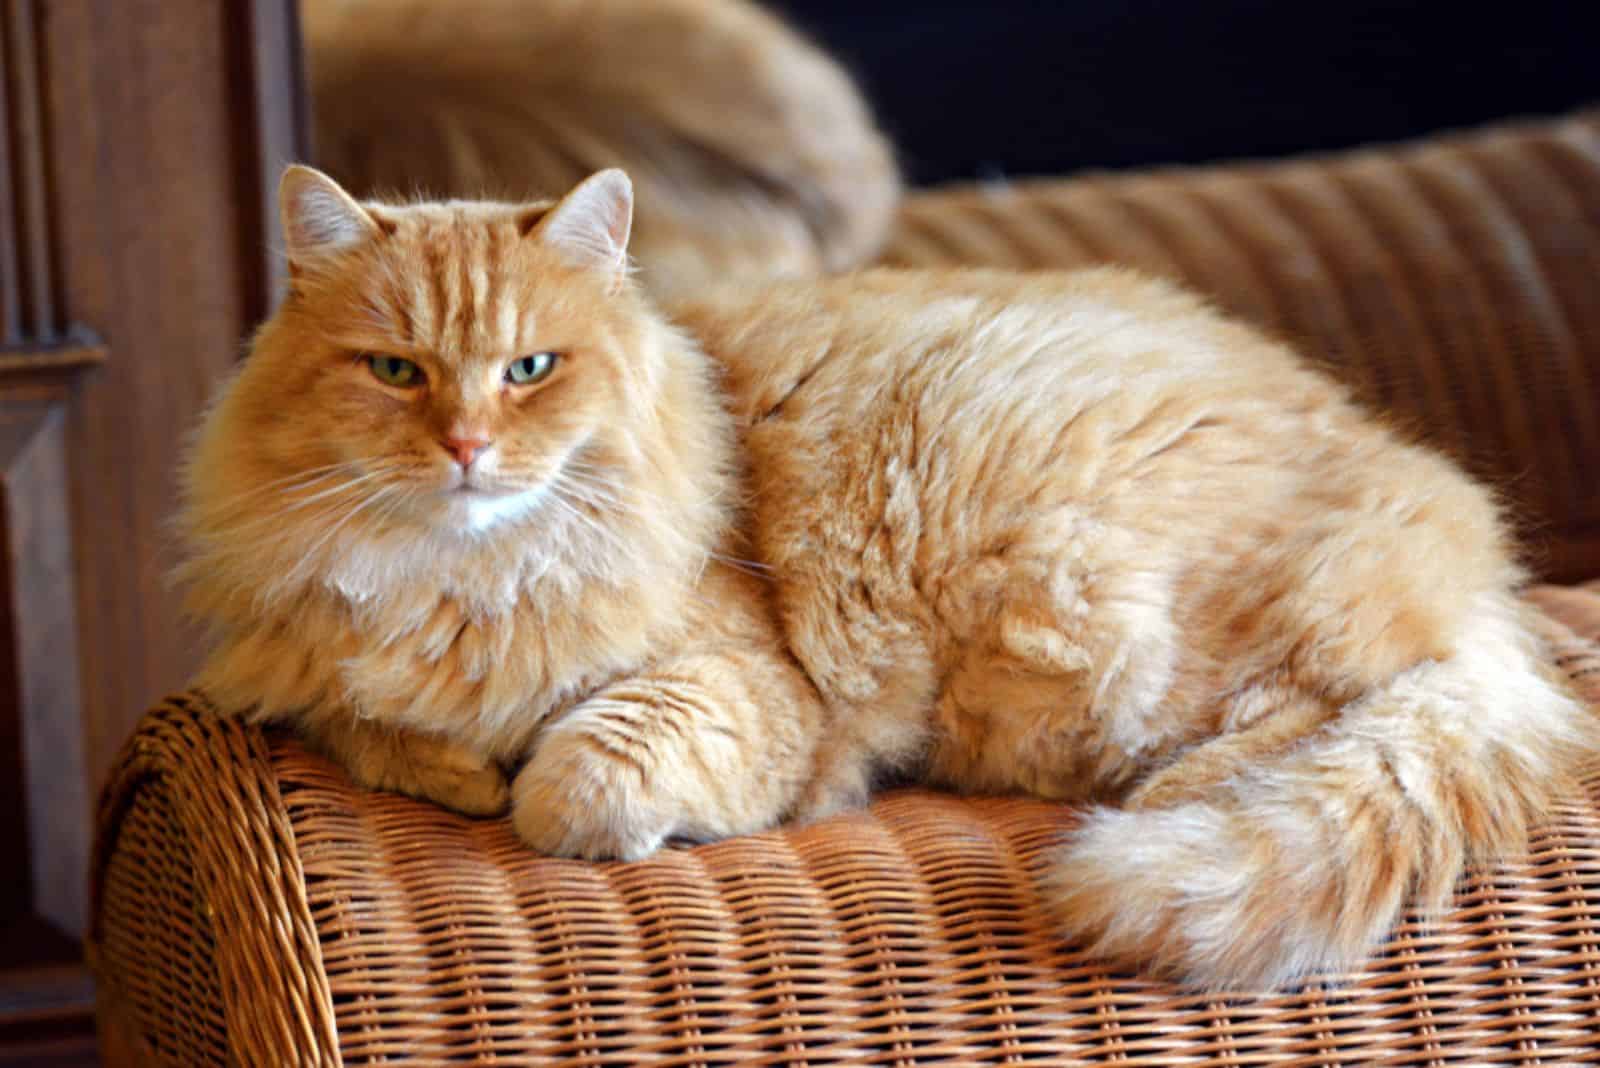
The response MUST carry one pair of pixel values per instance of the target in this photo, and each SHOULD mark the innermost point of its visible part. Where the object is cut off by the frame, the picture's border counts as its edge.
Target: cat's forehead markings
(450, 290)
(432, 292)
(492, 301)
(478, 289)
(391, 301)
(509, 320)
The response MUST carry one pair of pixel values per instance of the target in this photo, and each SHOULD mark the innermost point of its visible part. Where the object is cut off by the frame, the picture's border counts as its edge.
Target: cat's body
(1069, 534)
(1093, 486)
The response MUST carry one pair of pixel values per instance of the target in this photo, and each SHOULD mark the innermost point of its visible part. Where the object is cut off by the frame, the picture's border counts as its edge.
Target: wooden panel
(277, 112)
(46, 796)
(11, 156)
(140, 142)
(161, 153)
(46, 995)
(27, 282)
(39, 606)
(150, 253)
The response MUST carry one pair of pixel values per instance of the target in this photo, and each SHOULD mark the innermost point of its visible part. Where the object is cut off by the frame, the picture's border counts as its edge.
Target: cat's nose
(465, 449)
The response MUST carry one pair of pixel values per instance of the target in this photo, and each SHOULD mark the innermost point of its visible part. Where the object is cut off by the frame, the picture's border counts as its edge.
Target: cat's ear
(319, 218)
(590, 226)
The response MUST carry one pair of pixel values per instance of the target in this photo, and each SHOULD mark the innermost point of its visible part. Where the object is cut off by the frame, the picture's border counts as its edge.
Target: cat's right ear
(319, 218)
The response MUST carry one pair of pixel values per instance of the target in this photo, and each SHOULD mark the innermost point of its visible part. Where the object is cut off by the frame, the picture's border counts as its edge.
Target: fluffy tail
(1301, 862)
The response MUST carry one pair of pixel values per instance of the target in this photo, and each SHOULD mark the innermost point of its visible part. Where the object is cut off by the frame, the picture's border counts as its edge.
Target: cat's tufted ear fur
(590, 226)
(319, 218)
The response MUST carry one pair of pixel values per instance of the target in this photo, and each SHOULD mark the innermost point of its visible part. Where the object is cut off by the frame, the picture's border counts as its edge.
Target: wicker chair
(252, 907)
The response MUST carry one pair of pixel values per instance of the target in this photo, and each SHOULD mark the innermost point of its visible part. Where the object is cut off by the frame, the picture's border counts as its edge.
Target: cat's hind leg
(700, 747)
(1061, 661)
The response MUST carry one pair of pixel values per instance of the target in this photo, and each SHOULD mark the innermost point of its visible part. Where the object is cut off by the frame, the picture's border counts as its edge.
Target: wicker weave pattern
(1454, 283)
(910, 934)
(201, 927)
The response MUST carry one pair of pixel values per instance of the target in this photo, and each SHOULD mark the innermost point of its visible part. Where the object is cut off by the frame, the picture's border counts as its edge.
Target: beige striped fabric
(1456, 283)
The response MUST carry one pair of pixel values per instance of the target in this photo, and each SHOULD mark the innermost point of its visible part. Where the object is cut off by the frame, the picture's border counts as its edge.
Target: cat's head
(451, 373)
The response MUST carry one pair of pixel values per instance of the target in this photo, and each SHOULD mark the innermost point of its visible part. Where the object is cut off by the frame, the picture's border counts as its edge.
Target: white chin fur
(476, 513)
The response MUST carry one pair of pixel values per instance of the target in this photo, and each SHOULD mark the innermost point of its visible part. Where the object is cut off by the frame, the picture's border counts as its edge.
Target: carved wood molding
(35, 338)
(77, 350)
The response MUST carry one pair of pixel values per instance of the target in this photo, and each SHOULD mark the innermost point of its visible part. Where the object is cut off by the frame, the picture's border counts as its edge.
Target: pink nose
(465, 450)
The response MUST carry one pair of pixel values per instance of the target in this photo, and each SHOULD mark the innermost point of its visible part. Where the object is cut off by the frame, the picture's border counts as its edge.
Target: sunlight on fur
(697, 571)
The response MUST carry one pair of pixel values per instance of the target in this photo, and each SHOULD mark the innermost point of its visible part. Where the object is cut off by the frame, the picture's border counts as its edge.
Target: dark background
(977, 90)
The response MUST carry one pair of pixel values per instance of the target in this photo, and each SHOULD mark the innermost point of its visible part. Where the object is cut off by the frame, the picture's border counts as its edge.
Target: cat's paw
(479, 790)
(846, 788)
(575, 799)
(442, 772)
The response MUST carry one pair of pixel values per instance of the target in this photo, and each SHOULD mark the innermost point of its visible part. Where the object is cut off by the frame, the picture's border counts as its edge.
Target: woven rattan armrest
(203, 940)
(253, 907)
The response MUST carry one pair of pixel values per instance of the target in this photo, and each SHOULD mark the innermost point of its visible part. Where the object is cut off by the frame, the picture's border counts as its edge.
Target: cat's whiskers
(285, 485)
(375, 523)
(610, 497)
(562, 496)
(339, 511)
(597, 498)
(580, 470)
(606, 499)
(372, 473)
(383, 493)
(753, 568)
(298, 504)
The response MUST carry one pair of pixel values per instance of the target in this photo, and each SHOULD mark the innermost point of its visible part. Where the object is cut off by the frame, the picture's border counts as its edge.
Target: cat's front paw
(473, 791)
(432, 769)
(837, 788)
(576, 799)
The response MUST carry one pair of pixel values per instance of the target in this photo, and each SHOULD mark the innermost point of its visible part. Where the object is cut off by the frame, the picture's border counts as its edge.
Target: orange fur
(752, 151)
(1074, 535)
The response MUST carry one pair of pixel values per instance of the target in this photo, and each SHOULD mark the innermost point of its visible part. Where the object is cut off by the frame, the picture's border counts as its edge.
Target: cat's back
(988, 351)
(976, 404)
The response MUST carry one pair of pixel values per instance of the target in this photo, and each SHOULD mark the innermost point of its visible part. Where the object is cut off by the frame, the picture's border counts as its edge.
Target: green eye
(530, 369)
(393, 371)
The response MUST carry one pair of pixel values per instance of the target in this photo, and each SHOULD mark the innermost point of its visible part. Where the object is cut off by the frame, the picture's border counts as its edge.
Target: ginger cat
(473, 502)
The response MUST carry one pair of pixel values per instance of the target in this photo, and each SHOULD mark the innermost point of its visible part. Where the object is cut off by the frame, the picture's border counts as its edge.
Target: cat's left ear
(590, 226)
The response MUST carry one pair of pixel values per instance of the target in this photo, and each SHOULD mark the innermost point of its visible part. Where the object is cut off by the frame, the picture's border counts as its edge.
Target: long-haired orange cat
(473, 502)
